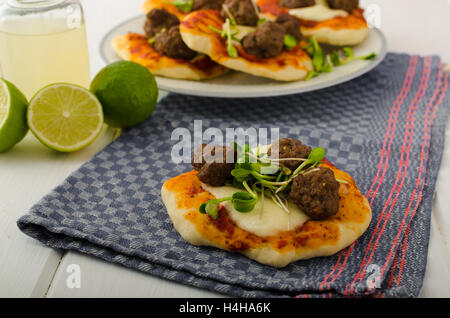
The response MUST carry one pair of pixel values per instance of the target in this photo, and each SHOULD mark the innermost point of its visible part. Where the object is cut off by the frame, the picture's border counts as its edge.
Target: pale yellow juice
(32, 61)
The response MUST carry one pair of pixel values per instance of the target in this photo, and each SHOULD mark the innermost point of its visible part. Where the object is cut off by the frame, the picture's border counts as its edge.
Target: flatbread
(149, 5)
(184, 194)
(340, 31)
(195, 30)
(135, 47)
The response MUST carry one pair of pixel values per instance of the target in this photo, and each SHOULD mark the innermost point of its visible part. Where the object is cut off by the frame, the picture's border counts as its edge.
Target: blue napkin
(385, 128)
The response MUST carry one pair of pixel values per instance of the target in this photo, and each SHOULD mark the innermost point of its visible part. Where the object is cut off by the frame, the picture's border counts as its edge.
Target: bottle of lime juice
(43, 42)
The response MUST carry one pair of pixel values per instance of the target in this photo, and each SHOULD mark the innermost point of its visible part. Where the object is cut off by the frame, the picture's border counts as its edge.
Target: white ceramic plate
(237, 84)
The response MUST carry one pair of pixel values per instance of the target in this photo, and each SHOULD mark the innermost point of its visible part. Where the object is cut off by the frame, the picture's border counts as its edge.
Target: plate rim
(267, 93)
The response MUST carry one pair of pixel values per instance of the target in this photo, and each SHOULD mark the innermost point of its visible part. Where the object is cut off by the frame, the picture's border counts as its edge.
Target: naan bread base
(135, 47)
(290, 65)
(340, 31)
(184, 194)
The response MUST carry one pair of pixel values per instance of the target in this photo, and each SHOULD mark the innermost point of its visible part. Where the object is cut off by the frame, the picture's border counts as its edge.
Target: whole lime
(128, 93)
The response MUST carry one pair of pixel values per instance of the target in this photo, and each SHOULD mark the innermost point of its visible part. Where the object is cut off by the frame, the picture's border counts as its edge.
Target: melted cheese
(317, 13)
(270, 221)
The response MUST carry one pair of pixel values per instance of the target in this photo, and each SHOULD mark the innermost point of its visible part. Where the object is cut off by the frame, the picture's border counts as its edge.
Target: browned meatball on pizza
(290, 148)
(291, 25)
(210, 170)
(266, 41)
(243, 12)
(170, 43)
(316, 193)
(347, 5)
(291, 4)
(159, 20)
(208, 4)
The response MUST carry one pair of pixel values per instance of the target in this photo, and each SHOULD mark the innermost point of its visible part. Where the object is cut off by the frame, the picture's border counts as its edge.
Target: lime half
(13, 110)
(65, 117)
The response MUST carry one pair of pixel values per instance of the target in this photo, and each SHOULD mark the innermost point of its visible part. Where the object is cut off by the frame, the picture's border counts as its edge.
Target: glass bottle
(43, 42)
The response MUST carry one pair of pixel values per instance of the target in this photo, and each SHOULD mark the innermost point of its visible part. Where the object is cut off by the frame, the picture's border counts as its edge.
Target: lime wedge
(13, 110)
(65, 117)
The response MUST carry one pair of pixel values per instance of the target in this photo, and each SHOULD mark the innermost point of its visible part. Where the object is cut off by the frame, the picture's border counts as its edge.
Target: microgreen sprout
(228, 12)
(230, 37)
(183, 5)
(347, 55)
(212, 207)
(326, 62)
(318, 58)
(314, 158)
(232, 51)
(342, 181)
(290, 42)
(221, 32)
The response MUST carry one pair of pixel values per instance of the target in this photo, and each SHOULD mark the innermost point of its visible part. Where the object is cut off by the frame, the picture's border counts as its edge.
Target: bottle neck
(31, 4)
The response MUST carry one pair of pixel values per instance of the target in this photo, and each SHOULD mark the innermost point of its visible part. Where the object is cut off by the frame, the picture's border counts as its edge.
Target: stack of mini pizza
(203, 39)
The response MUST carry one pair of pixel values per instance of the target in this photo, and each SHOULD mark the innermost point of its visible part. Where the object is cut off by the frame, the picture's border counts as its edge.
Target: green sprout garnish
(325, 63)
(231, 49)
(290, 42)
(212, 207)
(230, 37)
(314, 158)
(183, 5)
(318, 58)
(261, 21)
(247, 177)
(244, 202)
(347, 56)
(221, 32)
(230, 16)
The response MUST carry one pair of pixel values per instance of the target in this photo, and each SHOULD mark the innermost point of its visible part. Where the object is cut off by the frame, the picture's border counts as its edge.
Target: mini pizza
(236, 38)
(306, 208)
(334, 22)
(163, 51)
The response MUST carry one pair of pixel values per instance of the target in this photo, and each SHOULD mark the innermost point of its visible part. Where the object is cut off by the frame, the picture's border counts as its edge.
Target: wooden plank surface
(101, 279)
(27, 173)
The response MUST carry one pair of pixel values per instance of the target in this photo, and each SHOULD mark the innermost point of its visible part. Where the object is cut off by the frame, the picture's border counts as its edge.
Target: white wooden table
(29, 171)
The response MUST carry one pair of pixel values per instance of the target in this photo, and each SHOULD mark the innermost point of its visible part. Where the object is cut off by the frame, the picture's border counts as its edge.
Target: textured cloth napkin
(385, 128)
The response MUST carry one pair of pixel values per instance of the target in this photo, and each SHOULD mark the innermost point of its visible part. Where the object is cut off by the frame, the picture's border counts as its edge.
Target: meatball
(291, 4)
(208, 4)
(316, 193)
(171, 44)
(209, 171)
(347, 5)
(159, 20)
(266, 41)
(243, 12)
(291, 25)
(290, 148)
